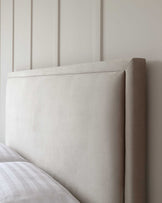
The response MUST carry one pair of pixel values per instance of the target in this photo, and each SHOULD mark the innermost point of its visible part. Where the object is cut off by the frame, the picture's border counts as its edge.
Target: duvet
(7, 154)
(23, 182)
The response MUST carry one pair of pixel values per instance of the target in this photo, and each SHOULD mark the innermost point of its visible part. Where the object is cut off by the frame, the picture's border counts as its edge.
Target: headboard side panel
(135, 150)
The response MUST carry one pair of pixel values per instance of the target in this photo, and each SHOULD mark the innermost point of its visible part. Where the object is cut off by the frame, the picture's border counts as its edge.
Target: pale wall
(71, 32)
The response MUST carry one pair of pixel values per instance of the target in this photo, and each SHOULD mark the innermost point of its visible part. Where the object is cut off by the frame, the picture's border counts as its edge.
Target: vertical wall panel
(96, 30)
(45, 33)
(6, 57)
(22, 34)
(80, 31)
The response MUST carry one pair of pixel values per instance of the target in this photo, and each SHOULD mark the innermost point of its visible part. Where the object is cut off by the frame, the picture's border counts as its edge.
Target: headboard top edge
(110, 66)
(59, 73)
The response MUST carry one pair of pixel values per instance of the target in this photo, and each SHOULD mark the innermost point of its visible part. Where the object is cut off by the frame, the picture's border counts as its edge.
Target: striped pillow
(22, 182)
(7, 154)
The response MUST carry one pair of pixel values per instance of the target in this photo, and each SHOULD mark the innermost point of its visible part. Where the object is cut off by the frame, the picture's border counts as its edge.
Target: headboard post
(135, 135)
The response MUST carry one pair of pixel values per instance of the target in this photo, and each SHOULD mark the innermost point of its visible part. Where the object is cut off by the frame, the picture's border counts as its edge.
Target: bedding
(7, 154)
(22, 182)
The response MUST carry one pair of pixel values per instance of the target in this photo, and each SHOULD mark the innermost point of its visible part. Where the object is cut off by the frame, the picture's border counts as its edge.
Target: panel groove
(0, 37)
(13, 37)
(101, 29)
(31, 37)
(58, 34)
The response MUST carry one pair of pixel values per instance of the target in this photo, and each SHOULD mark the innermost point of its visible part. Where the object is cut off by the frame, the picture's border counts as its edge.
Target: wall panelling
(45, 33)
(6, 59)
(22, 34)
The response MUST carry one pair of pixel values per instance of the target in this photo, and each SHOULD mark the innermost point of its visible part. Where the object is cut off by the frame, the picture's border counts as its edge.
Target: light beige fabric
(72, 125)
(70, 121)
(135, 132)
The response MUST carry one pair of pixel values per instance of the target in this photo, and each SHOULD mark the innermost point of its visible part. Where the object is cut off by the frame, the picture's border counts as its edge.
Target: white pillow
(22, 182)
(7, 154)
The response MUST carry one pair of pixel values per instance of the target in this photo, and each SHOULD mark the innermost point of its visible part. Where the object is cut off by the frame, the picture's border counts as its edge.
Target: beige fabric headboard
(85, 125)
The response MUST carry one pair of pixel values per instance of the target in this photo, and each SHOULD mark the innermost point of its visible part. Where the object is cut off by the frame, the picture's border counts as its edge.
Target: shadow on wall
(154, 98)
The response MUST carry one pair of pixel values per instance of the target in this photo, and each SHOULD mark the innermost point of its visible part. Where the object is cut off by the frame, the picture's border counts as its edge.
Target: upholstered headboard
(85, 125)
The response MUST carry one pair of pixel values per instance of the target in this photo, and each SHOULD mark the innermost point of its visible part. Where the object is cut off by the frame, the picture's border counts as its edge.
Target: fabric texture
(135, 132)
(85, 125)
(22, 182)
(71, 124)
(9, 155)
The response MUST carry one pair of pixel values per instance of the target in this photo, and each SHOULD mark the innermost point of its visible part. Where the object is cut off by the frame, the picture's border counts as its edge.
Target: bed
(84, 126)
